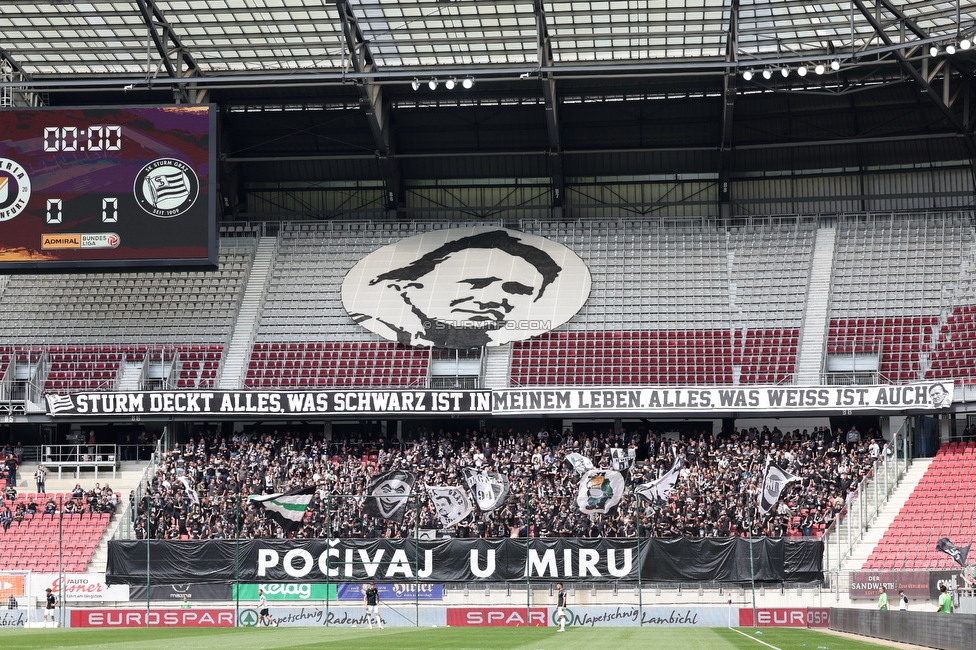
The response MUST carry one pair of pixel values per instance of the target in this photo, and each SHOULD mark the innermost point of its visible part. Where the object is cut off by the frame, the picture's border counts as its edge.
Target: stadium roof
(252, 38)
(358, 89)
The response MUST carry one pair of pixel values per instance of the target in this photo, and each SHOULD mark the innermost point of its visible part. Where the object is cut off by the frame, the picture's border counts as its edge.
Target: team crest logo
(166, 188)
(15, 189)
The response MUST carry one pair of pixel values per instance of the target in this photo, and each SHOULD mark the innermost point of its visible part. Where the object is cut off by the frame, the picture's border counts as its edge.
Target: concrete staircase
(238, 350)
(859, 554)
(497, 365)
(131, 372)
(815, 318)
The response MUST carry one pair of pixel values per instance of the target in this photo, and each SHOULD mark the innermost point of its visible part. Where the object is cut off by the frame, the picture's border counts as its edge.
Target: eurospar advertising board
(486, 616)
(152, 618)
(785, 617)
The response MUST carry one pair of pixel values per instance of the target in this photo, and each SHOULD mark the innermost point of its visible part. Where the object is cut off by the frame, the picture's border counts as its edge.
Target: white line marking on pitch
(768, 645)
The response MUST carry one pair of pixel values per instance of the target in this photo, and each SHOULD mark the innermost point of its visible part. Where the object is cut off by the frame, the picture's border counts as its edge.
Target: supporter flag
(580, 463)
(955, 552)
(659, 489)
(622, 459)
(194, 497)
(388, 495)
(490, 489)
(600, 491)
(451, 504)
(773, 485)
(288, 508)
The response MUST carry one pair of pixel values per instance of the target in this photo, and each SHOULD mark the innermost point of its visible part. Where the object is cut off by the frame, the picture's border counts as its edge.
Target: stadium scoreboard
(107, 187)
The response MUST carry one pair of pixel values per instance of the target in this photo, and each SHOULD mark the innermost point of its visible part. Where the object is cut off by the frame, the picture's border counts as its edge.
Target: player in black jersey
(561, 607)
(52, 600)
(371, 598)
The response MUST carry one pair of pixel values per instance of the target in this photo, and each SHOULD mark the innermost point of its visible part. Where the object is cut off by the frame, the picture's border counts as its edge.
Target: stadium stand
(672, 302)
(45, 526)
(897, 342)
(943, 504)
(157, 308)
(955, 354)
(710, 499)
(284, 365)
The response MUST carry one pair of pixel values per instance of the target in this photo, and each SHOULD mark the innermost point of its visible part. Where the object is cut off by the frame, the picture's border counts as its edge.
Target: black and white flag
(660, 489)
(490, 489)
(622, 460)
(773, 485)
(194, 496)
(600, 491)
(957, 553)
(580, 463)
(389, 494)
(288, 508)
(450, 503)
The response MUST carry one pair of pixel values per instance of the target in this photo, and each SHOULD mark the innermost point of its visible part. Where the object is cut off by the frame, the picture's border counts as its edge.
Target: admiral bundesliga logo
(15, 189)
(166, 188)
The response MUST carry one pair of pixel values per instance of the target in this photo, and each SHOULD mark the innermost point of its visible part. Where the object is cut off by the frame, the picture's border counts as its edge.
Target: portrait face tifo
(466, 287)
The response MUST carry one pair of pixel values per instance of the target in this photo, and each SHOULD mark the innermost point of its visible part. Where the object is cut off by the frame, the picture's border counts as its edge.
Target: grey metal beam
(896, 138)
(913, 27)
(14, 64)
(373, 102)
(544, 47)
(920, 79)
(31, 98)
(180, 67)
(728, 111)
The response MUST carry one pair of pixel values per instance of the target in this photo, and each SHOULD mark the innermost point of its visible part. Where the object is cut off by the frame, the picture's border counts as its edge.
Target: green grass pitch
(458, 638)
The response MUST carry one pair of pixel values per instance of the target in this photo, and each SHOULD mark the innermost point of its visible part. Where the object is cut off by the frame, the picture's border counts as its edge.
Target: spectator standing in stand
(40, 476)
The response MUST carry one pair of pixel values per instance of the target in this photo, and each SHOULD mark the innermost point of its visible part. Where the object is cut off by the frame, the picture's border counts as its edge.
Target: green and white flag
(286, 508)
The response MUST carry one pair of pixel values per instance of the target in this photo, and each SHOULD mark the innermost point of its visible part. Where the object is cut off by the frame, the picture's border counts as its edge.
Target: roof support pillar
(545, 58)
(373, 103)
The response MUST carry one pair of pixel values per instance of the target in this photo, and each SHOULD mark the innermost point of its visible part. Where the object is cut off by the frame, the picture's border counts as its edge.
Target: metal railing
(869, 497)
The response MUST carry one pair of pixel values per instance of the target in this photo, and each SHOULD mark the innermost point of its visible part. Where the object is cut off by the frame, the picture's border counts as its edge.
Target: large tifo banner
(466, 560)
(919, 396)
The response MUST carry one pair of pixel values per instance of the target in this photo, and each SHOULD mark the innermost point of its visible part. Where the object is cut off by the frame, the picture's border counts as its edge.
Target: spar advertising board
(785, 617)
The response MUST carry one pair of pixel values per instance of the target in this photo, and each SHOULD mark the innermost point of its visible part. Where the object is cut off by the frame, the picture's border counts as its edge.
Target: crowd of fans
(200, 489)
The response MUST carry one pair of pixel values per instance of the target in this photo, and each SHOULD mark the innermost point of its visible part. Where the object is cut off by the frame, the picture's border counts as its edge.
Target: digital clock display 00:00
(93, 138)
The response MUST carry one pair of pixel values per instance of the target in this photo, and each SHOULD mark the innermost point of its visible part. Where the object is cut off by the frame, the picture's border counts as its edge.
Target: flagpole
(237, 558)
(148, 537)
(416, 557)
(752, 566)
(528, 580)
(328, 535)
(640, 586)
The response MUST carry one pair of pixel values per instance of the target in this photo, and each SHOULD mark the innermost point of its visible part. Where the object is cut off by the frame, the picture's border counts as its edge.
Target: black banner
(284, 403)
(174, 593)
(924, 396)
(466, 560)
